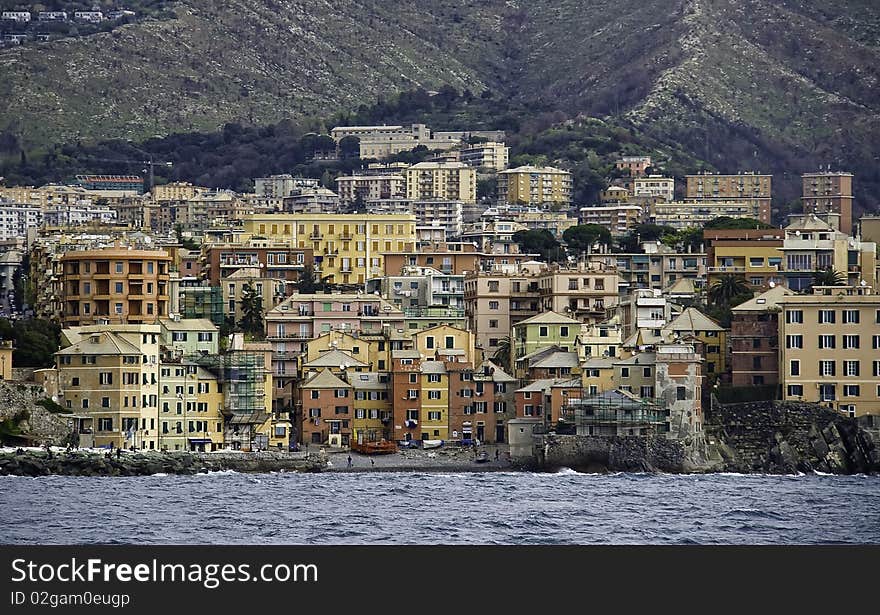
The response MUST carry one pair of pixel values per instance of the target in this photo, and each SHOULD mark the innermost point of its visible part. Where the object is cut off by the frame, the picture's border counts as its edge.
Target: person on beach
(349, 461)
(496, 454)
(372, 462)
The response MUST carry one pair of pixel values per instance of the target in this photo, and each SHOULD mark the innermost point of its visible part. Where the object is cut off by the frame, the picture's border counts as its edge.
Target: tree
(582, 237)
(502, 355)
(726, 222)
(539, 241)
(252, 311)
(349, 147)
(829, 277)
(728, 288)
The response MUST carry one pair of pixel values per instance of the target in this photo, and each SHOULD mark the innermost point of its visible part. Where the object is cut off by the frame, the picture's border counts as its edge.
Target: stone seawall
(614, 454)
(788, 437)
(79, 463)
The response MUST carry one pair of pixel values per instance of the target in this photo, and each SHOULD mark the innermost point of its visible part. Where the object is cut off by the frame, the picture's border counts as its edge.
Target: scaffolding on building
(203, 302)
(615, 412)
(242, 376)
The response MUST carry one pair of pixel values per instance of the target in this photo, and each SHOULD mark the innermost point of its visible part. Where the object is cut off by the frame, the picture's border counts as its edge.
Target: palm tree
(502, 355)
(727, 287)
(829, 277)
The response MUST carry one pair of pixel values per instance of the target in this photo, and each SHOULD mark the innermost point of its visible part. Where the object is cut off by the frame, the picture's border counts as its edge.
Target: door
(481, 433)
(499, 433)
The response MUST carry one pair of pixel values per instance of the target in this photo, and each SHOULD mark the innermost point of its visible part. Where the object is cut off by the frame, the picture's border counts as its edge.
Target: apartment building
(754, 254)
(426, 296)
(829, 192)
(535, 186)
(586, 291)
(493, 236)
(619, 219)
(811, 245)
(447, 181)
(237, 284)
(752, 189)
(543, 330)
(283, 185)
(688, 214)
(17, 218)
(709, 339)
(276, 259)
(490, 155)
(176, 191)
(481, 401)
(114, 285)
(828, 348)
(109, 374)
(754, 339)
(657, 267)
(348, 248)
(635, 165)
(366, 187)
(383, 141)
(654, 186)
(190, 416)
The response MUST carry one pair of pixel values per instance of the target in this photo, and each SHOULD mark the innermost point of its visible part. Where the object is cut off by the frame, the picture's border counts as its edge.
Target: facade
(383, 141)
(752, 189)
(276, 259)
(636, 165)
(619, 219)
(707, 336)
(535, 186)
(829, 192)
(489, 155)
(756, 255)
(812, 245)
(654, 186)
(446, 181)
(234, 287)
(688, 214)
(546, 329)
(828, 348)
(348, 248)
(175, 191)
(754, 339)
(282, 185)
(352, 188)
(426, 296)
(16, 219)
(114, 285)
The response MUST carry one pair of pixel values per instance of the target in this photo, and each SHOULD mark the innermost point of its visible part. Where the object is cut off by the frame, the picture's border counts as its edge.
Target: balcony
(289, 336)
(434, 313)
(730, 269)
(316, 236)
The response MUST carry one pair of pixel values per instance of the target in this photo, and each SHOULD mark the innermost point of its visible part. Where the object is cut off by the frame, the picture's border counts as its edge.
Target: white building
(491, 155)
(655, 186)
(16, 218)
(283, 185)
(77, 215)
(90, 16)
(19, 16)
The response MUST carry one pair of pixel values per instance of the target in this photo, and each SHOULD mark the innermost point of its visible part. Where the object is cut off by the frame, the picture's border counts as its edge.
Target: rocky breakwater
(88, 463)
(614, 454)
(788, 437)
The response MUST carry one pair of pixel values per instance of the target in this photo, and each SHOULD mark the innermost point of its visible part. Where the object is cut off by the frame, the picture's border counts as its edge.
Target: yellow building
(371, 420)
(828, 344)
(373, 351)
(445, 343)
(348, 248)
(534, 186)
(451, 181)
(754, 254)
(176, 191)
(692, 323)
(235, 285)
(99, 378)
(190, 408)
(597, 375)
(434, 415)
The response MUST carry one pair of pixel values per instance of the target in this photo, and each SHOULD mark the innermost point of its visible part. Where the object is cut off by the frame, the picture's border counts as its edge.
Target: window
(493, 324)
(314, 413)
(646, 372)
(794, 317)
(450, 341)
(757, 380)
(795, 368)
(876, 370)
(826, 368)
(572, 284)
(543, 331)
(850, 341)
(850, 317)
(850, 368)
(433, 377)
(624, 372)
(433, 394)
(118, 288)
(117, 308)
(434, 416)
(528, 410)
(493, 305)
(826, 341)
(429, 341)
(105, 378)
(413, 378)
(105, 424)
(794, 341)
(316, 394)
(680, 393)
(105, 402)
(412, 394)
(795, 390)
(563, 331)
(850, 390)
(493, 286)
(756, 342)
(646, 391)
(339, 393)
(341, 410)
(826, 317)
(756, 362)
(827, 392)
(360, 413)
(119, 268)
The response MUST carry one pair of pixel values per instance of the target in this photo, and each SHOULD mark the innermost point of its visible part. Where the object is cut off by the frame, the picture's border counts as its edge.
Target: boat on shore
(432, 443)
(376, 447)
(482, 457)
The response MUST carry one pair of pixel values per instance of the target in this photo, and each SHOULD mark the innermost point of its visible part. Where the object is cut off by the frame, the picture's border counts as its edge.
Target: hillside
(773, 85)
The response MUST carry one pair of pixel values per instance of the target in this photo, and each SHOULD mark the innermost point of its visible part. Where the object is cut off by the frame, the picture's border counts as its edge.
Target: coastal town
(395, 309)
